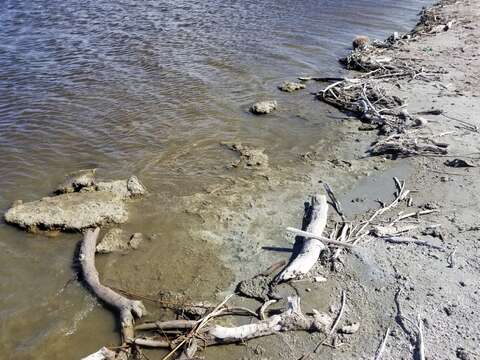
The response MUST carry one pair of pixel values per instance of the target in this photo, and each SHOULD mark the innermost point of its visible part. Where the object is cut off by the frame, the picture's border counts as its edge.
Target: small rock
(263, 107)
(308, 289)
(350, 329)
(288, 86)
(135, 187)
(320, 279)
(135, 240)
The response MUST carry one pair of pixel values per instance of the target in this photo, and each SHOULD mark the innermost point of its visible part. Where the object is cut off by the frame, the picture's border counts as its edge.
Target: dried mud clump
(82, 203)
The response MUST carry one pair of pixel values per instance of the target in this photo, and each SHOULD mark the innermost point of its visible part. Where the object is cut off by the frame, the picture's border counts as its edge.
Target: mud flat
(407, 289)
(410, 281)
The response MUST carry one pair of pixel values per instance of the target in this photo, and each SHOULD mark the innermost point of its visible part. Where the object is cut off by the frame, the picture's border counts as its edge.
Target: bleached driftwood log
(127, 309)
(291, 320)
(311, 248)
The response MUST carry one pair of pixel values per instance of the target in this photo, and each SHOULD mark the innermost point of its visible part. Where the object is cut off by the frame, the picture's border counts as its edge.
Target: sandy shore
(391, 285)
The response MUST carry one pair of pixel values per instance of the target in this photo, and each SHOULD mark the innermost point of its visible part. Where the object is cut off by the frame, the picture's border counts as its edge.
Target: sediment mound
(81, 207)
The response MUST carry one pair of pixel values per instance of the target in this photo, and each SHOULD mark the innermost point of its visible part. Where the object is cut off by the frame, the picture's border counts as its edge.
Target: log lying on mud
(290, 320)
(127, 309)
(311, 248)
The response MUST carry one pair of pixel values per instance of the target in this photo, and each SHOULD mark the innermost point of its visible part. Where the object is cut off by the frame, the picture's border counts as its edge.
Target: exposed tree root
(127, 309)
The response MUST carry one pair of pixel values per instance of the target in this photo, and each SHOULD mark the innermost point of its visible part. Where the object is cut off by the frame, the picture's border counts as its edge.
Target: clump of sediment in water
(263, 107)
(249, 157)
(288, 86)
(83, 202)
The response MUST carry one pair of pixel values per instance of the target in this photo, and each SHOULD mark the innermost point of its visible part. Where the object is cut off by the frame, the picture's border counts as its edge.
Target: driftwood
(366, 98)
(127, 309)
(311, 248)
(291, 320)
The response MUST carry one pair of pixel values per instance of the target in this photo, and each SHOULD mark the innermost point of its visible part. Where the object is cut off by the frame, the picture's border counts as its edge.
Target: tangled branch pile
(366, 98)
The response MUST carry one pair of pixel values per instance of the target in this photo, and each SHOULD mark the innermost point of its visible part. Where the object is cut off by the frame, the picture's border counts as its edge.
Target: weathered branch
(127, 309)
(291, 320)
(311, 248)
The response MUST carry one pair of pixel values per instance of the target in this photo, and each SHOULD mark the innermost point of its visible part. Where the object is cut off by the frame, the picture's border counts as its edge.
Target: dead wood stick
(407, 240)
(328, 79)
(365, 97)
(152, 342)
(167, 325)
(417, 213)
(317, 237)
(340, 313)
(342, 239)
(274, 267)
(420, 342)
(201, 324)
(335, 323)
(336, 204)
(381, 348)
(126, 308)
(290, 320)
(450, 259)
(264, 307)
(331, 86)
(311, 247)
(402, 193)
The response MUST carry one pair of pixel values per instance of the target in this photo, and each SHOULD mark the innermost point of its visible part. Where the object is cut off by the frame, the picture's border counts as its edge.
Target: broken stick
(316, 237)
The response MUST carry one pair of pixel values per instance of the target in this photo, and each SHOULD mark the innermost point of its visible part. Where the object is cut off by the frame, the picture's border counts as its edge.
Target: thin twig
(340, 313)
(336, 204)
(381, 348)
(318, 237)
(420, 342)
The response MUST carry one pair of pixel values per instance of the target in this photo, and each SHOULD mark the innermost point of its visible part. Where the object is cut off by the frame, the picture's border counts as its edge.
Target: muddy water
(149, 88)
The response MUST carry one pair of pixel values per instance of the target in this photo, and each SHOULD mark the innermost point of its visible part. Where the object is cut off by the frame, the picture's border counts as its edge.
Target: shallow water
(149, 88)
